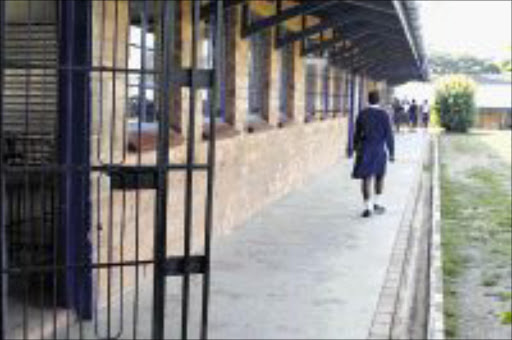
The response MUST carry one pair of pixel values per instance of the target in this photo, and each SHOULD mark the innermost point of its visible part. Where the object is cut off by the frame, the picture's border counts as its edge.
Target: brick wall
(252, 169)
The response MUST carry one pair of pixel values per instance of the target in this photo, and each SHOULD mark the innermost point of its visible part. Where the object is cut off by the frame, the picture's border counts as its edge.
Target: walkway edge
(436, 327)
(385, 313)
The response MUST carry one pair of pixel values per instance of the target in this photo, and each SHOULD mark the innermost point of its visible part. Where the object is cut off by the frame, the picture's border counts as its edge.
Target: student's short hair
(373, 97)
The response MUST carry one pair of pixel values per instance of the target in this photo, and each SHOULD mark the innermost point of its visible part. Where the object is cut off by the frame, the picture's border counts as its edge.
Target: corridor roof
(381, 38)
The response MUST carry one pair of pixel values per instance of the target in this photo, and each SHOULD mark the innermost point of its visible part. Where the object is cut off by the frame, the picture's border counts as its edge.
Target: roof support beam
(324, 45)
(381, 59)
(209, 8)
(286, 14)
(364, 46)
(375, 58)
(341, 20)
(375, 5)
(356, 34)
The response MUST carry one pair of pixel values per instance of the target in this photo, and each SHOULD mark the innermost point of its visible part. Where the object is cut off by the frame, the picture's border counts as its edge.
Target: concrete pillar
(238, 79)
(337, 91)
(299, 89)
(319, 97)
(232, 28)
(332, 89)
(273, 77)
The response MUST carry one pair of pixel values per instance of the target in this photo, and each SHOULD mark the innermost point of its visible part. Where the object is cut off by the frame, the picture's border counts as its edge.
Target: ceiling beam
(364, 45)
(338, 19)
(372, 5)
(210, 7)
(286, 14)
(375, 57)
(354, 34)
(369, 60)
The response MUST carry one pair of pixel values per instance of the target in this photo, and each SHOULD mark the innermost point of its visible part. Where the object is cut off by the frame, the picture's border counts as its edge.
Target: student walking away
(373, 134)
(425, 114)
(413, 114)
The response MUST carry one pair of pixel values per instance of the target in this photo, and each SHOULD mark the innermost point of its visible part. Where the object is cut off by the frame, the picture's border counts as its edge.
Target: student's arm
(358, 133)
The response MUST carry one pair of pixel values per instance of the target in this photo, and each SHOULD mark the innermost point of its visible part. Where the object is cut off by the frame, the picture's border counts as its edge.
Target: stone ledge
(385, 318)
(436, 326)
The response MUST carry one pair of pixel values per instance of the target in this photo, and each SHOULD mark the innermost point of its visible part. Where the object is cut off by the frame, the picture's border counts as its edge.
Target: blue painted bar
(351, 116)
(74, 135)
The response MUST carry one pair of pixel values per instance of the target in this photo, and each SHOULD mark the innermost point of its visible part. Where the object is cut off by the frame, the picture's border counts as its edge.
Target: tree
(506, 65)
(454, 105)
(442, 64)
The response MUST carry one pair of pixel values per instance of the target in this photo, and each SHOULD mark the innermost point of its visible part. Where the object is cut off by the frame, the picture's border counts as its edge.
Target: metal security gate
(100, 167)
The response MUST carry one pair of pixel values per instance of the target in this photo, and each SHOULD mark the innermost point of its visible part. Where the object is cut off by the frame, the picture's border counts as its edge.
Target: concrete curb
(384, 316)
(436, 327)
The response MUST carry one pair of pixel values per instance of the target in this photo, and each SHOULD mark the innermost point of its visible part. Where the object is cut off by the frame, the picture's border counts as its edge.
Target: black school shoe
(366, 213)
(379, 209)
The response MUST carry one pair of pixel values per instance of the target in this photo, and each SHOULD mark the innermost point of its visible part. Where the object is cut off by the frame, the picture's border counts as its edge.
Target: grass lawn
(477, 234)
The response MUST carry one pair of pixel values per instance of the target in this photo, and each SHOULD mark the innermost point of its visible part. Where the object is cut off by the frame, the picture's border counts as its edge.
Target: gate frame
(74, 115)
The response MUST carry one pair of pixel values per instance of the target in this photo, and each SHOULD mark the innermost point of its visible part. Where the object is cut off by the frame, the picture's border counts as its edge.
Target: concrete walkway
(308, 266)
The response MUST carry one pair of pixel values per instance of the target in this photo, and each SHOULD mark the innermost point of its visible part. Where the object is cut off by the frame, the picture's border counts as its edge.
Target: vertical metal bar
(65, 129)
(42, 240)
(279, 28)
(100, 85)
(84, 257)
(361, 91)
(142, 112)
(303, 40)
(75, 151)
(195, 11)
(127, 106)
(3, 241)
(111, 207)
(168, 39)
(245, 17)
(43, 202)
(26, 217)
(351, 116)
(218, 79)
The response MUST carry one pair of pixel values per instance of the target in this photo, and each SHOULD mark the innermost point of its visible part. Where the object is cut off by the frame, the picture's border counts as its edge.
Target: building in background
(494, 101)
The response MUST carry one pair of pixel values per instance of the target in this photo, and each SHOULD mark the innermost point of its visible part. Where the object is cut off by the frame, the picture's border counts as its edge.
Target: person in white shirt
(425, 113)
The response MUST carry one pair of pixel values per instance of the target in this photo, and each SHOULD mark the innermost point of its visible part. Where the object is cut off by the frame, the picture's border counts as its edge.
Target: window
(207, 52)
(317, 87)
(259, 50)
(141, 85)
(337, 96)
(347, 92)
(286, 84)
(361, 92)
(142, 93)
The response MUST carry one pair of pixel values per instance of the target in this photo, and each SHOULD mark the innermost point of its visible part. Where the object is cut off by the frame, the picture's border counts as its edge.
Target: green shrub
(454, 105)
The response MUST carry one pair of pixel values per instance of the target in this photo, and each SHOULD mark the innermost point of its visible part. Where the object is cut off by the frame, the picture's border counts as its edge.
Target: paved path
(308, 266)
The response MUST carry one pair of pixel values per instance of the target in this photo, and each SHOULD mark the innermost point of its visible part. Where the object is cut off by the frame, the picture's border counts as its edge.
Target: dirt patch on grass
(476, 213)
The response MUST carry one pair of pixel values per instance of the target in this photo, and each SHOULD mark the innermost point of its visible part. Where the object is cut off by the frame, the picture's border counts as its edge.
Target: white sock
(368, 204)
(377, 199)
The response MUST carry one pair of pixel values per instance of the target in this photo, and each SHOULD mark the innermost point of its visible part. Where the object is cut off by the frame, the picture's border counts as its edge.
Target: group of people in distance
(410, 113)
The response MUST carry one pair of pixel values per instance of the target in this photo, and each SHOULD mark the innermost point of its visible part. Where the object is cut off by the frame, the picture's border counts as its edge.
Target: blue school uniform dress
(373, 134)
